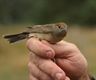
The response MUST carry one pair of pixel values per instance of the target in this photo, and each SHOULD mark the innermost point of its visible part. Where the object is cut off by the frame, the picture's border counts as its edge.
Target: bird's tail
(16, 37)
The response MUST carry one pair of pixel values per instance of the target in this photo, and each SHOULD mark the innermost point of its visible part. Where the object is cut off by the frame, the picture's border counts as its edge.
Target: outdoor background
(16, 15)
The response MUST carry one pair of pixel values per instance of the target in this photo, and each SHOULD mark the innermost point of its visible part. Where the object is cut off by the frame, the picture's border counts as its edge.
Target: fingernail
(59, 76)
(49, 54)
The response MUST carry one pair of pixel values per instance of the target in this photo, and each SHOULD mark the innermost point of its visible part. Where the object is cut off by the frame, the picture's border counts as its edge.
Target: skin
(61, 61)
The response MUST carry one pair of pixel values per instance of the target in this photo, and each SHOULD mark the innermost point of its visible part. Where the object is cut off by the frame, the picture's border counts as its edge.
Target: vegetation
(14, 57)
(46, 11)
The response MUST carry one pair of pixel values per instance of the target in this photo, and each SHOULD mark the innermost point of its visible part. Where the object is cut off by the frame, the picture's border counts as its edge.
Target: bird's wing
(40, 29)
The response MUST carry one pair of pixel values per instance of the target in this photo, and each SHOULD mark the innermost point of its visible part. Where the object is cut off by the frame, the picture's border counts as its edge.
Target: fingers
(67, 78)
(36, 74)
(63, 49)
(32, 78)
(44, 49)
(39, 48)
(46, 66)
(52, 69)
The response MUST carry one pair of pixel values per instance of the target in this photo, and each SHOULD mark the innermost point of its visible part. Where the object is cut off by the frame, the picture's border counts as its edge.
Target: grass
(14, 57)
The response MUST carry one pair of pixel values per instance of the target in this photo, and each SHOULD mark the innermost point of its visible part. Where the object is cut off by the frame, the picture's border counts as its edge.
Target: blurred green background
(16, 15)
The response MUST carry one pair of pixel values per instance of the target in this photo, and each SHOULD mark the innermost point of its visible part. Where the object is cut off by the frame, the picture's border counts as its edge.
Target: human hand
(68, 64)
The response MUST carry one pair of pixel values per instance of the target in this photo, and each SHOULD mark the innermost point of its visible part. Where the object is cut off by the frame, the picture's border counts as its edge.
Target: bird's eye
(58, 26)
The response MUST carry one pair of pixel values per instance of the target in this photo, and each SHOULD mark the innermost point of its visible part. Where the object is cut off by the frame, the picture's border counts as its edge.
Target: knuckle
(29, 64)
(28, 42)
(45, 78)
(73, 46)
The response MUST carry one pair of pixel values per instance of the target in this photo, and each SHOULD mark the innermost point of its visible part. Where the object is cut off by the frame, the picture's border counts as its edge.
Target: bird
(52, 33)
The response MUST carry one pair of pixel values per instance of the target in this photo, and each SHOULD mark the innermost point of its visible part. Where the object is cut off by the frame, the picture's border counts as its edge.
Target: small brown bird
(52, 33)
